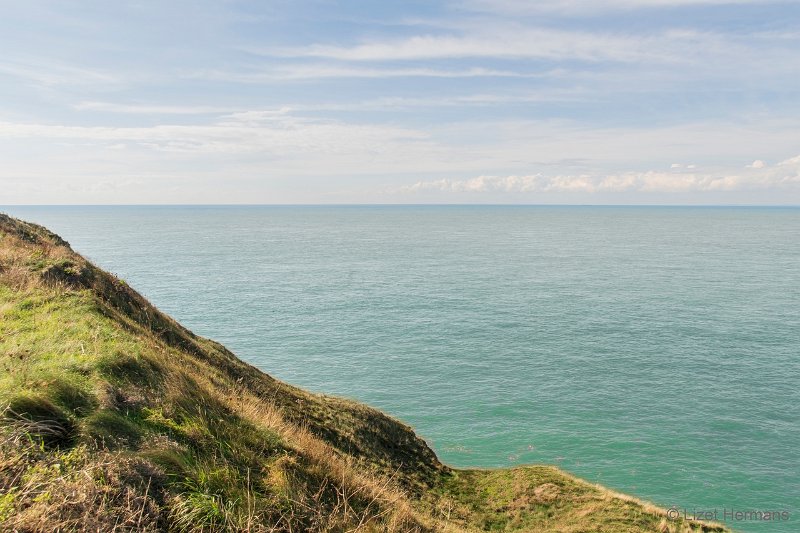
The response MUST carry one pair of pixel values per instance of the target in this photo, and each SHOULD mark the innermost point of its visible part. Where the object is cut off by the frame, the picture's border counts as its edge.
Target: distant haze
(476, 101)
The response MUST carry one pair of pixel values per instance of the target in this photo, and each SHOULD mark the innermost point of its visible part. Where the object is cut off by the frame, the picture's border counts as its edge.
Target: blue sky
(477, 101)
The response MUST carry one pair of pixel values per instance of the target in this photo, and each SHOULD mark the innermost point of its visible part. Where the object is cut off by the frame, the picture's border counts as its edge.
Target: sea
(654, 350)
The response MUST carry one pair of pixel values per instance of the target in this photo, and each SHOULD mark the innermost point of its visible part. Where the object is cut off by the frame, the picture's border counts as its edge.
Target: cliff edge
(116, 417)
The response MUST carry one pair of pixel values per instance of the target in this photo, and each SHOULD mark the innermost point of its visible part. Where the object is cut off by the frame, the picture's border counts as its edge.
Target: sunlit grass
(116, 417)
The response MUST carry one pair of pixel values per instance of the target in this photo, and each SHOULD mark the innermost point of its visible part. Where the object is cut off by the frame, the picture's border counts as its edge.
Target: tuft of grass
(130, 369)
(193, 511)
(112, 429)
(41, 419)
(70, 394)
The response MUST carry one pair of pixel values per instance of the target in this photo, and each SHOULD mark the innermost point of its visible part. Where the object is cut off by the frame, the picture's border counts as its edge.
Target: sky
(408, 102)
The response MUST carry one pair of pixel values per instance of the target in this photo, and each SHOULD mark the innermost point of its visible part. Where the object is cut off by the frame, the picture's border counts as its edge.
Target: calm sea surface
(654, 350)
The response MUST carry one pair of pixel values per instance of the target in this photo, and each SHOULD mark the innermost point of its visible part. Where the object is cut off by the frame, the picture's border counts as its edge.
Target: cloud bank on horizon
(478, 101)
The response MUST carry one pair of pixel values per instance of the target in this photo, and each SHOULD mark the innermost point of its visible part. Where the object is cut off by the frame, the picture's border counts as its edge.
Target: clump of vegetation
(115, 417)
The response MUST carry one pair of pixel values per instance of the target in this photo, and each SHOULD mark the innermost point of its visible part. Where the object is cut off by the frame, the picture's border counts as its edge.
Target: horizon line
(4, 206)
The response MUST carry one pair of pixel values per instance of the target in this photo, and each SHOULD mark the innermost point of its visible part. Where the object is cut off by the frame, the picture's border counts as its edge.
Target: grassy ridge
(115, 417)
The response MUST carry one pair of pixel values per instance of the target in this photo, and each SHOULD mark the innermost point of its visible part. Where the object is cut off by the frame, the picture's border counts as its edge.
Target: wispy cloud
(284, 133)
(524, 7)
(490, 96)
(259, 131)
(507, 42)
(468, 100)
(54, 74)
(147, 109)
(270, 73)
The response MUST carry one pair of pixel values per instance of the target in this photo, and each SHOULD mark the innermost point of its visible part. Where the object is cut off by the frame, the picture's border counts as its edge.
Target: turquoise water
(654, 350)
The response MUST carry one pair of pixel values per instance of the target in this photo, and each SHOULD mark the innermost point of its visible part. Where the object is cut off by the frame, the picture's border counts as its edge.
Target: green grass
(115, 416)
(72, 375)
(544, 498)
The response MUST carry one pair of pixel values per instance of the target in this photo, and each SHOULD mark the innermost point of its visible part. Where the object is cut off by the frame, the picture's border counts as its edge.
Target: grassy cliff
(115, 417)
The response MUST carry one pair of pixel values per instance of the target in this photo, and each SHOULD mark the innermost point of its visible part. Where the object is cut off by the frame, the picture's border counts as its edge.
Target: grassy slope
(116, 417)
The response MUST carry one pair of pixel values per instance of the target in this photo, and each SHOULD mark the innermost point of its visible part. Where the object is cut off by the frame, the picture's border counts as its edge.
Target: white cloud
(53, 74)
(382, 103)
(312, 72)
(145, 109)
(645, 182)
(527, 7)
(702, 54)
(508, 42)
(267, 131)
(269, 146)
(457, 146)
(794, 161)
(434, 97)
(471, 100)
